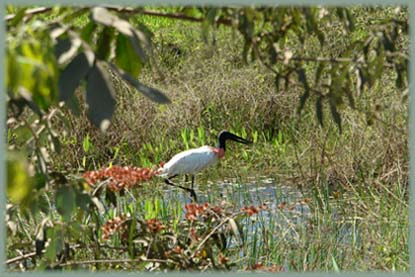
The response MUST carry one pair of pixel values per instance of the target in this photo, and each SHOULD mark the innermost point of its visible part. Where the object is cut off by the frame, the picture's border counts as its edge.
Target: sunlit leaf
(87, 33)
(18, 17)
(74, 15)
(126, 57)
(335, 266)
(19, 183)
(35, 66)
(86, 143)
(138, 38)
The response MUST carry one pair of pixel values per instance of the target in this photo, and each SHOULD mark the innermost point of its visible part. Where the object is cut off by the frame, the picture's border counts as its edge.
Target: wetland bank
(304, 196)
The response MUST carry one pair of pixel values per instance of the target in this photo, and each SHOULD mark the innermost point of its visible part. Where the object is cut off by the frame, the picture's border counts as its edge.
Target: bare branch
(128, 10)
(116, 261)
(20, 258)
(30, 13)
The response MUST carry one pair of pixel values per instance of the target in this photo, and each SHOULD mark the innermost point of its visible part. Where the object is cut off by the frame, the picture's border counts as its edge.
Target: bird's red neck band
(219, 152)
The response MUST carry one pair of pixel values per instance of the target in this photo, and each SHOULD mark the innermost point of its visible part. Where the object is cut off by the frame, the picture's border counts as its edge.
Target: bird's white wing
(189, 161)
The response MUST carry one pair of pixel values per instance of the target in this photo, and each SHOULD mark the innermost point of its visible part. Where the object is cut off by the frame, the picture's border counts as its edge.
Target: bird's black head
(225, 135)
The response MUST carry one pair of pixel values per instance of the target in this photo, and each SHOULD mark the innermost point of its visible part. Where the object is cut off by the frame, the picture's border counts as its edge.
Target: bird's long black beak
(226, 135)
(238, 139)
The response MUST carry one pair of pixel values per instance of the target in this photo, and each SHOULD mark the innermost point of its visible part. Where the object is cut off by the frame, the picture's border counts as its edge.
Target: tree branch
(30, 13)
(142, 259)
(128, 10)
(20, 258)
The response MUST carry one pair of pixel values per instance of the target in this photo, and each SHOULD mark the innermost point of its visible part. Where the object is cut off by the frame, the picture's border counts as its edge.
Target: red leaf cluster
(119, 177)
(261, 267)
(176, 250)
(222, 259)
(154, 225)
(112, 226)
(251, 210)
(193, 210)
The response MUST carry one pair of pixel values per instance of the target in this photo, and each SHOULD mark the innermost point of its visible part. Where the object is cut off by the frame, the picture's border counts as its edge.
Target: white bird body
(190, 161)
(194, 160)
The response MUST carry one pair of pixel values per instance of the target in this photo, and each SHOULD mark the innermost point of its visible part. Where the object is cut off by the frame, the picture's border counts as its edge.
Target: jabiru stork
(194, 160)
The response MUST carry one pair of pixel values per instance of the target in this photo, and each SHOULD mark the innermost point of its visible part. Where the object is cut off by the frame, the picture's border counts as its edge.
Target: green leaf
(104, 43)
(65, 202)
(321, 37)
(152, 93)
(126, 57)
(100, 97)
(350, 97)
(138, 38)
(302, 78)
(335, 114)
(56, 243)
(19, 183)
(379, 61)
(319, 71)
(245, 51)
(73, 104)
(12, 71)
(191, 11)
(88, 31)
(83, 200)
(86, 143)
(303, 100)
(56, 144)
(73, 73)
(400, 75)
(319, 110)
(18, 17)
(36, 68)
(74, 15)
(277, 82)
(211, 14)
(350, 20)
(362, 79)
(335, 266)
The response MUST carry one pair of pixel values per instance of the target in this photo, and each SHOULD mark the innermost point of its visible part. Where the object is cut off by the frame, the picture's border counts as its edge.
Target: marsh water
(288, 215)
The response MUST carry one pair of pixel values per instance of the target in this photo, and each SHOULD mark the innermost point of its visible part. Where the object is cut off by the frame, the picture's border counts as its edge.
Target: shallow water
(285, 204)
(287, 212)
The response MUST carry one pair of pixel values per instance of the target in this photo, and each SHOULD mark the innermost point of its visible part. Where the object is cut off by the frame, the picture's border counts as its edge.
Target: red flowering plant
(199, 241)
(119, 177)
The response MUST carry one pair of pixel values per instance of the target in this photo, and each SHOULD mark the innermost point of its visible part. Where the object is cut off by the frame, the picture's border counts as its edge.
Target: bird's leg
(192, 191)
